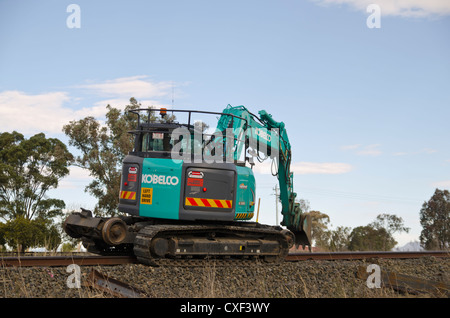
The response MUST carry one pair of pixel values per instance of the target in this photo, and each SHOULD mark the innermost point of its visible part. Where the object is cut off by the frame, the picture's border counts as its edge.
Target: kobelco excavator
(187, 196)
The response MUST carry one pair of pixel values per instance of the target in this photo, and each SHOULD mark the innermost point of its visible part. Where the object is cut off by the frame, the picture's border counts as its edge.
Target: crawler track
(48, 261)
(190, 246)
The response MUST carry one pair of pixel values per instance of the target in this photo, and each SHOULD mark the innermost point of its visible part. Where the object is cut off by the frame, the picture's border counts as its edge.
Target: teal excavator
(187, 195)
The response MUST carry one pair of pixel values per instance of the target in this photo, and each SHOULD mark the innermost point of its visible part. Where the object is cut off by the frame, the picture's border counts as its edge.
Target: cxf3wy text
(229, 307)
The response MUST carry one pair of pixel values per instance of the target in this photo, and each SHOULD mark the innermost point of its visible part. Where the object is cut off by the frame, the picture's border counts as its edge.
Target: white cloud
(404, 8)
(321, 168)
(33, 113)
(138, 87)
(46, 112)
(99, 107)
(78, 177)
(374, 150)
(441, 184)
(50, 111)
(350, 147)
(369, 150)
(307, 168)
(427, 151)
(400, 153)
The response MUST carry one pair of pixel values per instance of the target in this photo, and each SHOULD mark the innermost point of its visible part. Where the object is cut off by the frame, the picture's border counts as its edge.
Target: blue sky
(366, 109)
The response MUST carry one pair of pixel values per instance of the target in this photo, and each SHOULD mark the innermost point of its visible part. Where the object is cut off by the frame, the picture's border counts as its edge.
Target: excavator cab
(168, 176)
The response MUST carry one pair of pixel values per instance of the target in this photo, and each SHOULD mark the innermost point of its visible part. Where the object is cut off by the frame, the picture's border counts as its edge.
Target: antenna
(172, 95)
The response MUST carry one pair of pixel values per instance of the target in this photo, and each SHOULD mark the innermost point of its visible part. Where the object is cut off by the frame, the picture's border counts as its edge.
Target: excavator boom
(269, 137)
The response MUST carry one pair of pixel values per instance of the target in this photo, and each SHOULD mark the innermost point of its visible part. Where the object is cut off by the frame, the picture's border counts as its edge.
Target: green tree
(21, 233)
(29, 168)
(67, 247)
(378, 235)
(368, 238)
(51, 238)
(319, 228)
(324, 238)
(2, 238)
(339, 239)
(434, 218)
(102, 150)
(391, 224)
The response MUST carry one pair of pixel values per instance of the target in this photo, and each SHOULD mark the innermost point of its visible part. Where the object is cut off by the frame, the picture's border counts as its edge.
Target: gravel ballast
(311, 279)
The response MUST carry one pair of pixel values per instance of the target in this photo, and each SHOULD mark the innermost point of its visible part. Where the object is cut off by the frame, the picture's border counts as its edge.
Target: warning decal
(129, 195)
(210, 203)
(192, 182)
(146, 195)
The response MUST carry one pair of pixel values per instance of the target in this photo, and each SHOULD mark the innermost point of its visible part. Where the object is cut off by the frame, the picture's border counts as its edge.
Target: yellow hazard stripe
(241, 216)
(129, 195)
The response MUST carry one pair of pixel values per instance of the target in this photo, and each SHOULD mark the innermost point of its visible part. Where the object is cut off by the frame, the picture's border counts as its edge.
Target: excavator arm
(263, 135)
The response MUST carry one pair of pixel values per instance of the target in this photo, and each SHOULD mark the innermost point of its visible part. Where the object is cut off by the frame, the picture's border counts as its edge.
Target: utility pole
(277, 197)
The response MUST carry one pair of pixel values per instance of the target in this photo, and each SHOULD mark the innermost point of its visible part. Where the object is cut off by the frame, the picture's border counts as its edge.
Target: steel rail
(92, 260)
(363, 255)
(27, 261)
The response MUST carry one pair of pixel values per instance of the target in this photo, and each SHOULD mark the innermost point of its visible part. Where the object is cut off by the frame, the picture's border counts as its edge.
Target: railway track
(362, 255)
(32, 261)
(36, 261)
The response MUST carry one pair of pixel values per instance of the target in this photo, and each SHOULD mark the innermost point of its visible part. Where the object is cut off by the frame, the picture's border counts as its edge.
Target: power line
(303, 191)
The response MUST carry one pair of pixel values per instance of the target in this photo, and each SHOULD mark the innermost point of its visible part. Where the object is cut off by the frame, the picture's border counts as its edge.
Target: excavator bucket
(303, 231)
